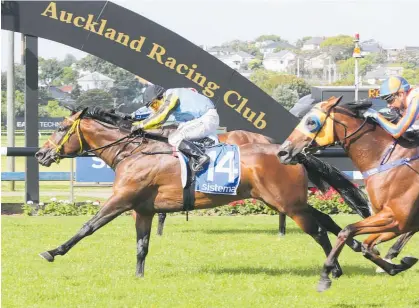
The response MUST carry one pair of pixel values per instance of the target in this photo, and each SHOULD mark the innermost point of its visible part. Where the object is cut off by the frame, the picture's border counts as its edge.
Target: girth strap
(189, 190)
(387, 166)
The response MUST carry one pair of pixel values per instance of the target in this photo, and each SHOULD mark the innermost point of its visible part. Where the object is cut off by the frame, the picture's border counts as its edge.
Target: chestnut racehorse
(391, 173)
(148, 181)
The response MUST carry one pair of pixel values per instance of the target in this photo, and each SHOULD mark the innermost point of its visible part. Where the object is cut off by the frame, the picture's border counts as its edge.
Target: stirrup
(196, 166)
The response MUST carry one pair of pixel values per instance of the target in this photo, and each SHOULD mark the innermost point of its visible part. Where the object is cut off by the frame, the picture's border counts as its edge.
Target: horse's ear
(73, 111)
(335, 101)
(83, 112)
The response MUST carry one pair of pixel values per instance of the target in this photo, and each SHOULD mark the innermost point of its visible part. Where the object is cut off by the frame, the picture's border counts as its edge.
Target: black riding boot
(191, 150)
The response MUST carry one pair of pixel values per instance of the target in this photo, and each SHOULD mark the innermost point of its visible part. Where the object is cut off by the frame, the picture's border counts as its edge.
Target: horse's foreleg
(112, 208)
(311, 226)
(327, 222)
(162, 218)
(143, 227)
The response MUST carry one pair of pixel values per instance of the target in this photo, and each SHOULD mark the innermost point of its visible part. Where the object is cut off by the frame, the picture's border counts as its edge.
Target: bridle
(75, 128)
(309, 149)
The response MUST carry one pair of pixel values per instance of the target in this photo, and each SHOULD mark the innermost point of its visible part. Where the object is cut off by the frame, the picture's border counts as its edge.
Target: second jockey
(398, 94)
(195, 113)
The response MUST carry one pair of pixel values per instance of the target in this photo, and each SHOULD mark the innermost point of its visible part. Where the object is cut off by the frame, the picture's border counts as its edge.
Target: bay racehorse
(148, 181)
(238, 137)
(390, 170)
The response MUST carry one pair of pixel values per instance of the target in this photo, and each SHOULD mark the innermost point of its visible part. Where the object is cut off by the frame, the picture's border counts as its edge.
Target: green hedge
(329, 203)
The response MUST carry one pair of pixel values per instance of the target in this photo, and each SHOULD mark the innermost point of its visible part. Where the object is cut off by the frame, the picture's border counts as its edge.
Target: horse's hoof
(280, 234)
(405, 264)
(336, 273)
(408, 262)
(47, 256)
(324, 284)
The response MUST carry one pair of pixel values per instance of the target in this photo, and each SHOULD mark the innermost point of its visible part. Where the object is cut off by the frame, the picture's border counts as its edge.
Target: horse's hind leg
(388, 267)
(327, 222)
(382, 222)
(112, 208)
(282, 224)
(162, 218)
(143, 227)
(310, 225)
(396, 248)
(398, 245)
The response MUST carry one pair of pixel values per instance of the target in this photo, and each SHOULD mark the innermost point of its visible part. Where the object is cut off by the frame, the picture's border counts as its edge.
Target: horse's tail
(324, 175)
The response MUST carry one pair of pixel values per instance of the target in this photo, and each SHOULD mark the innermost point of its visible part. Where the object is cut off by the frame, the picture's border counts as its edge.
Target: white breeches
(196, 129)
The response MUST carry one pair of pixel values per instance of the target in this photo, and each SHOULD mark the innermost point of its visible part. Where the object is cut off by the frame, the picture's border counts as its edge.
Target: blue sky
(393, 23)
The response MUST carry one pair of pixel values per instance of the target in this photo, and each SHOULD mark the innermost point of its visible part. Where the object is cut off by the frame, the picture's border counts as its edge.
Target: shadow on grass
(289, 230)
(342, 305)
(350, 270)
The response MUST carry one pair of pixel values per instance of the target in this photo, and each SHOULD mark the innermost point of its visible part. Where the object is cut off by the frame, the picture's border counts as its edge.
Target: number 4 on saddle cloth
(220, 176)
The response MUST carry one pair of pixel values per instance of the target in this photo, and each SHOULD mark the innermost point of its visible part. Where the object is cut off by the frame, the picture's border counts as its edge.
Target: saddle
(411, 138)
(203, 143)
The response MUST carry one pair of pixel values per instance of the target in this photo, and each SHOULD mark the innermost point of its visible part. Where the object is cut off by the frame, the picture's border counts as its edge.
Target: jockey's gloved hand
(136, 127)
(370, 113)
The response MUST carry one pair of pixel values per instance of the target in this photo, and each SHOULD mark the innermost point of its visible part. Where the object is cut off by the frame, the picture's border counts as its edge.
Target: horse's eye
(312, 124)
(61, 128)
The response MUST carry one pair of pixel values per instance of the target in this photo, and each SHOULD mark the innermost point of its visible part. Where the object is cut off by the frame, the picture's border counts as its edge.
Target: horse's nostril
(282, 153)
(39, 155)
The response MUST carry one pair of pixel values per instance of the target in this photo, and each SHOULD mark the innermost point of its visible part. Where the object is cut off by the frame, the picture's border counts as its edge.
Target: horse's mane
(356, 107)
(109, 116)
(124, 122)
(327, 175)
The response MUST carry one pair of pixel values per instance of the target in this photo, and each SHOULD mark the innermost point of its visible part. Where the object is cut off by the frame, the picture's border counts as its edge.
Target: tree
(286, 96)
(69, 59)
(68, 76)
(410, 59)
(268, 81)
(339, 47)
(4, 80)
(76, 92)
(123, 78)
(255, 64)
(268, 37)
(250, 48)
(301, 42)
(411, 75)
(19, 78)
(347, 67)
(49, 71)
(94, 64)
(53, 109)
(95, 97)
(349, 80)
(19, 103)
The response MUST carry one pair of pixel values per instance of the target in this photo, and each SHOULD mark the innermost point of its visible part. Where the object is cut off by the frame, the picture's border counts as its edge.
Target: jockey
(399, 95)
(195, 112)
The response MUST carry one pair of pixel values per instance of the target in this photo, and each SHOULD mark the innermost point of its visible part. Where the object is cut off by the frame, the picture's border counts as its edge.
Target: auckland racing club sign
(153, 52)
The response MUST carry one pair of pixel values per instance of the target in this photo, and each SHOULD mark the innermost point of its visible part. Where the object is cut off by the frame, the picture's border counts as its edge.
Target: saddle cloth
(221, 175)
